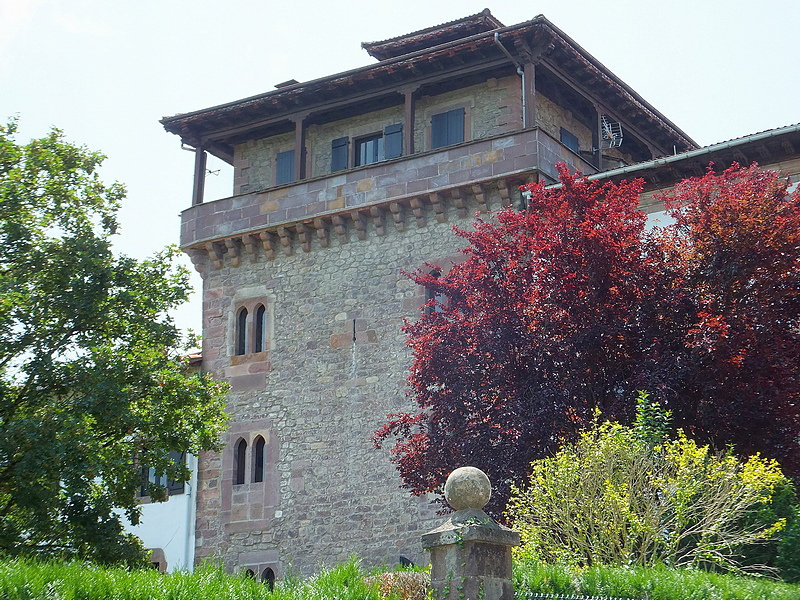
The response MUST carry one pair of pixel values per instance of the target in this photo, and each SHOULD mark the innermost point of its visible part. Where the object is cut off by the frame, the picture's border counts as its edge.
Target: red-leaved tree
(570, 306)
(736, 246)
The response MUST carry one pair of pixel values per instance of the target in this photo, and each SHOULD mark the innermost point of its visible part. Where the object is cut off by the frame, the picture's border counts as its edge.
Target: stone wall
(316, 396)
(492, 108)
(254, 162)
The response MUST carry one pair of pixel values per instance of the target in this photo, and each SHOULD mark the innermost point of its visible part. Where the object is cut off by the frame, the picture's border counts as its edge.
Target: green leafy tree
(92, 386)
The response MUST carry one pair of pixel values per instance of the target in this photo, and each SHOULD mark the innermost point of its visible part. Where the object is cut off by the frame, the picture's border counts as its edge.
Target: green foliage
(92, 386)
(612, 498)
(22, 579)
(653, 423)
(653, 583)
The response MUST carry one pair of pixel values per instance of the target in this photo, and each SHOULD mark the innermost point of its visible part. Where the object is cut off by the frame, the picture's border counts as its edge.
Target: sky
(105, 72)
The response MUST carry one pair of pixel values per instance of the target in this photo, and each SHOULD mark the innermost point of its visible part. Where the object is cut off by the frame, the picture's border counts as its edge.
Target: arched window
(258, 459)
(239, 461)
(250, 574)
(241, 332)
(261, 329)
(268, 577)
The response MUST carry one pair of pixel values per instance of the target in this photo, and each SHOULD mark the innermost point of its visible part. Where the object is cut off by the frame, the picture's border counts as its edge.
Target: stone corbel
(249, 244)
(360, 223)
(286, 240)
(459, 201)
(438, 206)
(378, 220)
(505, 192)
(418, 208)
(322, 232)
(480, 196)
(304, 235)
(268, 243)
(397, 214)
(214, 254)
(233, 251)
(340, 227)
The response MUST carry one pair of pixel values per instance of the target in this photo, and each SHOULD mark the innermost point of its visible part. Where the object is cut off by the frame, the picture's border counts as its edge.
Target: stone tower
(340, 185)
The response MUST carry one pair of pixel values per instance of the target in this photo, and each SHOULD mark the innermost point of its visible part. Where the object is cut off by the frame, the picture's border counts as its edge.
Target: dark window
(241, 332)
(569, 140)
(433, 295)
(268, 577)
(149, 476)
(284, 167)
(339, 154)
(250, 574)
(259, 448)
(369, 150)
(239, 461)
(261, 329)
(176, 487)
(447, 128)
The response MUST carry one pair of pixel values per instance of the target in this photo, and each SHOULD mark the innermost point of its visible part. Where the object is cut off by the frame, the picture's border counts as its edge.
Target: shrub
(614, 498)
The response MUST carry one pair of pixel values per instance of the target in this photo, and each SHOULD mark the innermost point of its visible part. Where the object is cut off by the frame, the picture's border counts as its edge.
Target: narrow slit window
(261, 329)
(239, 462)
(259, 448)
(241, 332)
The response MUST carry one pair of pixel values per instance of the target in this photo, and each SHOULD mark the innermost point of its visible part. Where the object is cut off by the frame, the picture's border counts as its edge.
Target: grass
(660, 583)
(29, 580)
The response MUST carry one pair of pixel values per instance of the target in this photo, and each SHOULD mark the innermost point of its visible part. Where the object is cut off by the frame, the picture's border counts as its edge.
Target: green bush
(617, 497)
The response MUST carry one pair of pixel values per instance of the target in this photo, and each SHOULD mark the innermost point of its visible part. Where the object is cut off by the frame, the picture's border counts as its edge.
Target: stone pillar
(470, 552)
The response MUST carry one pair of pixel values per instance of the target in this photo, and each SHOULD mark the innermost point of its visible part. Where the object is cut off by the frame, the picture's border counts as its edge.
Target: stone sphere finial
(467, 487)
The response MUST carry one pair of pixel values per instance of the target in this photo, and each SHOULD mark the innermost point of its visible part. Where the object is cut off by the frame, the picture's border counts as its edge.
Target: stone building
(340, 184)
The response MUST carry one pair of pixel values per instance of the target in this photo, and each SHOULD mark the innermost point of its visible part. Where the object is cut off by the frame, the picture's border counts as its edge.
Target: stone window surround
(251, 305)
(466, 104)
(250, 506)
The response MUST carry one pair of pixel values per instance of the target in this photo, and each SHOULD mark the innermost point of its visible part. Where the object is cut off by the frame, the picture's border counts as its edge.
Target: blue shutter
(284, 168)
(447, 128)
(455, 126)
(339, 154)
(439, 130)
(569, 140)
(393, 141)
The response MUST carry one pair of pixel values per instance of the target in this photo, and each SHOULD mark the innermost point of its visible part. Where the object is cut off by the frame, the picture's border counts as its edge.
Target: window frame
(378, 153)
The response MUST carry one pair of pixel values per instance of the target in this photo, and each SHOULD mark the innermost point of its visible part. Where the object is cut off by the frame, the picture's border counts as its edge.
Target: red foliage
(737, 243)
(571, 306)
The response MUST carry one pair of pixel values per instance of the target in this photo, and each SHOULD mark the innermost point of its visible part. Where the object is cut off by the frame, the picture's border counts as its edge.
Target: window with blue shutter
(447, 128)
(284, 167)
(339, 154)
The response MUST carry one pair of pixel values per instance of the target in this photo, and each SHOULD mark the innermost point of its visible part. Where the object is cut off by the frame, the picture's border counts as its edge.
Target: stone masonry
(316, 396)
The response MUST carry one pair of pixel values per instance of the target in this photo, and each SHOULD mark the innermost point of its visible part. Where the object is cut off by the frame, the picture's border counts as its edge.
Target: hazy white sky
(106, 71)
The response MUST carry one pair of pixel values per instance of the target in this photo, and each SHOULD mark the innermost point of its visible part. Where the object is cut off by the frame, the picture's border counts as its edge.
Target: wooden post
(199, 175)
